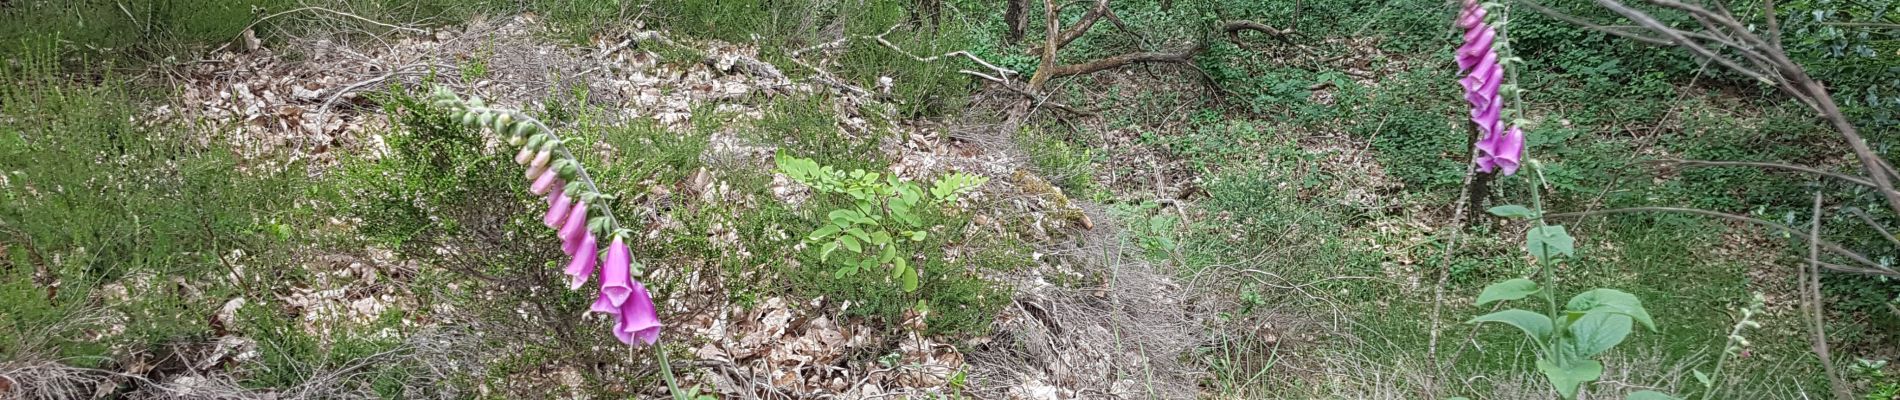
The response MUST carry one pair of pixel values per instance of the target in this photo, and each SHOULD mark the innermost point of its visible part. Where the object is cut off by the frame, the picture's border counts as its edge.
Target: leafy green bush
(884, 219)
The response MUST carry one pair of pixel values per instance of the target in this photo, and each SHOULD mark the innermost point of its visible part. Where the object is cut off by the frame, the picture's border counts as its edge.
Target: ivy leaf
(1513, 211)
(1614, 301)
(1508, 290)
(1548, 240)
(1597, 332)
(1567, 379)
(1649, 395)
(1536, 325)
(851, 243)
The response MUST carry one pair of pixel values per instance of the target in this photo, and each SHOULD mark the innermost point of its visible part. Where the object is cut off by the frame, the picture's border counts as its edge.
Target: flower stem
(561, 149)
(666, 373)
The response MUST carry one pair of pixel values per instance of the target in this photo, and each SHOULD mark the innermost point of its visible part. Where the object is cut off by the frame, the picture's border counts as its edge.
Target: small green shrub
(885, 218)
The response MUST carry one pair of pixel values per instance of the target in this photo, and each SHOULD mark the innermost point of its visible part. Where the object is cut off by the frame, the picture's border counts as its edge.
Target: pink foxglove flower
(1501, 152)
(615, 282)
(638, 318)
(1497, 148)
(574, 228)
(539, 164)
(582, 267)
(526, 154)
(604, 306)
(545, 183)
(557, 210)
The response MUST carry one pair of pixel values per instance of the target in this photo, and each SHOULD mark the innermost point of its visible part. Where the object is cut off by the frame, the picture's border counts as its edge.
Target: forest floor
(303, 225)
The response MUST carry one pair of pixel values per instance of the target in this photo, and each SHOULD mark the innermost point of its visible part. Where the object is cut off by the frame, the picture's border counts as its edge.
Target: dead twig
(1773, 165)
(1811, 304)
(253, 24)
(1872, 267)
(1718, 36)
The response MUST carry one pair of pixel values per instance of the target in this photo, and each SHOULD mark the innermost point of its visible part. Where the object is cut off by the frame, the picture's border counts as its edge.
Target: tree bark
(1015, 15)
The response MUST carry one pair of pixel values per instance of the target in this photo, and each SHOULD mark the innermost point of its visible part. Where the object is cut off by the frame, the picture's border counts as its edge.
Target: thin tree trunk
(1478, 188)
(1015, 15)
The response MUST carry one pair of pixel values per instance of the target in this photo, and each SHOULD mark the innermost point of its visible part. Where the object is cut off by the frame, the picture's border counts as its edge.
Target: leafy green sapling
(883, 220)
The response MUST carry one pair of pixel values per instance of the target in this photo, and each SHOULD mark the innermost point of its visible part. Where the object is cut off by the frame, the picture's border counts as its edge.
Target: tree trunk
(1479, 191)
(1015, 15)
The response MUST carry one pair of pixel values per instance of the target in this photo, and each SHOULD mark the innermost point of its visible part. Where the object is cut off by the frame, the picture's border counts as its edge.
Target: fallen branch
(1181, 56)
(1000, 76)
(1234, 28)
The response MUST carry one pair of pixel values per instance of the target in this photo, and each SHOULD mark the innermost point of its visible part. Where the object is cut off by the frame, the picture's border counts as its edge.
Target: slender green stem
(1546, 268)
(666, 373)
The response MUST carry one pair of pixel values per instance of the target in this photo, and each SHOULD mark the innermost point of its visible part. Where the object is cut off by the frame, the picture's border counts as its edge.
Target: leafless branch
(1718, 34)
(1772, 165)
(253, 24)
(1812, 305)
(1871, 267)
(1869, 220)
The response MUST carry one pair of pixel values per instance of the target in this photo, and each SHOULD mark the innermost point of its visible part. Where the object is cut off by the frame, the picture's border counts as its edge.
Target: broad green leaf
(851, 243)
(1549, 240)
(909, 279)
(890, 252)
(840, 273)
(859, 233)
(1597, 332)
(1536, 325)
(898, 268)
(881, 238)
(1649, 395)
(843, 215)
(1513, 211)
(1612, 300)
(1703, 378)
(1508, 290)
(910, 196)
(824, 253)
(1567, 379)
(824, 232)
(917, 236)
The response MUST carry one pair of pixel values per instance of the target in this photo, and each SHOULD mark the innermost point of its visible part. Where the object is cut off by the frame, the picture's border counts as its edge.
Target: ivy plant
(883, 220)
